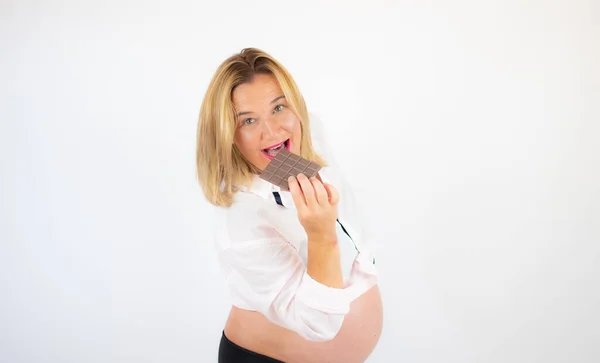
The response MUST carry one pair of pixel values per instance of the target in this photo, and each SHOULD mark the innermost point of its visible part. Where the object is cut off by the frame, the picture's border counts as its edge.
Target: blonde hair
(220, 165)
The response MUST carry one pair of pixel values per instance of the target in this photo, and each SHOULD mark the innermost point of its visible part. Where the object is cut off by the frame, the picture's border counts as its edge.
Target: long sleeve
(268, 275)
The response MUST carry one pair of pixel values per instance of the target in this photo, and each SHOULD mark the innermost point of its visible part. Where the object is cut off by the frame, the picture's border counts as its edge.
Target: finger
(320, 191)
(296, 191)
(329, 195)
(334, 197)
(308, 190)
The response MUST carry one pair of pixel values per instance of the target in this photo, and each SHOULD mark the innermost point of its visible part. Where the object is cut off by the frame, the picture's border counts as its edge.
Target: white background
(487, 226)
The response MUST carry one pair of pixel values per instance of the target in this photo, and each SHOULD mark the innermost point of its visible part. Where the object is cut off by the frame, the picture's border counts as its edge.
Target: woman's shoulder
(247, 219)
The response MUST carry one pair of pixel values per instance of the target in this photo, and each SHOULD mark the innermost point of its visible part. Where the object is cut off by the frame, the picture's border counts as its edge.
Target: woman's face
(265, 124)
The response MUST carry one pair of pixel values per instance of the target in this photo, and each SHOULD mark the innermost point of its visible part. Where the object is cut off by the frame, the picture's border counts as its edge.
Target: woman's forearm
(324, 264)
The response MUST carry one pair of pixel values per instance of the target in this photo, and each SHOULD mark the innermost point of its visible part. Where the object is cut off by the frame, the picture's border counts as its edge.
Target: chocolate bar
(286, 164)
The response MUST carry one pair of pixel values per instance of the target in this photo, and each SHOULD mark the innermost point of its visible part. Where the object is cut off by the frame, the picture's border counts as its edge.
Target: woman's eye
(279, 108)
(248, 121)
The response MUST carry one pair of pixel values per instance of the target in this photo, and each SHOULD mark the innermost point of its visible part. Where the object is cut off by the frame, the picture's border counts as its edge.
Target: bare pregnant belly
(355, 341)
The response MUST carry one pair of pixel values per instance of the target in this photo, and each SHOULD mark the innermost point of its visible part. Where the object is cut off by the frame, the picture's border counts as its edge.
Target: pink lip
(275, 145)
(271, 157)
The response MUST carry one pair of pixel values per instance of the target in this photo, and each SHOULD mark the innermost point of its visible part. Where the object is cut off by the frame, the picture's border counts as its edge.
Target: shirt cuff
(323, 298)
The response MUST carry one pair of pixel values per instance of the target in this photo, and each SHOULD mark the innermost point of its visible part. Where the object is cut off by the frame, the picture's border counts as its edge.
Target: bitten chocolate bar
(286, 164)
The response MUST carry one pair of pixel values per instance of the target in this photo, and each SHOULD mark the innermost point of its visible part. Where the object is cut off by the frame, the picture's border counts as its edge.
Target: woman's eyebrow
(247, 112)
(243, 113)
(277, 99)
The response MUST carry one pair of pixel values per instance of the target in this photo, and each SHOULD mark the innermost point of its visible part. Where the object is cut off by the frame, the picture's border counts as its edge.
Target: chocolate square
(286, 164)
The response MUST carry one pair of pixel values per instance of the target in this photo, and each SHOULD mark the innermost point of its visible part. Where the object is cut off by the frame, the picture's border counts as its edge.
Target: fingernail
(291, 179)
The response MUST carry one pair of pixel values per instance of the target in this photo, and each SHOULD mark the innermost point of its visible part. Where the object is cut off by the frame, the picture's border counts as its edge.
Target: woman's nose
(270, 127)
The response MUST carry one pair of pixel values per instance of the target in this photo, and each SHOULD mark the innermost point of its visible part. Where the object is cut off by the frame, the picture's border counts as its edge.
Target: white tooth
(275, 149)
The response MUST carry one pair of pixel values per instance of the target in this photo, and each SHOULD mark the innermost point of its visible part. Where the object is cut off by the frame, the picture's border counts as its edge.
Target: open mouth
(272, 151)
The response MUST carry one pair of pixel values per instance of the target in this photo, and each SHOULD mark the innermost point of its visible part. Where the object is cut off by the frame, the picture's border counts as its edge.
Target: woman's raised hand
(316, 203)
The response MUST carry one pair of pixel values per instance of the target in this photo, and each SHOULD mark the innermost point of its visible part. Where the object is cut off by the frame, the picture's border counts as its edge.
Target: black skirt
(229, 352)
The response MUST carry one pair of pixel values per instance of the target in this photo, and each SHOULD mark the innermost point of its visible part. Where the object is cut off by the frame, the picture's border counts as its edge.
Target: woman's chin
(262, 163)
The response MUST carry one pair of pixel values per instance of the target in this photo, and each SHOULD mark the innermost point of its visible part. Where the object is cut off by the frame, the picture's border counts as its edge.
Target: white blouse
(262, 250)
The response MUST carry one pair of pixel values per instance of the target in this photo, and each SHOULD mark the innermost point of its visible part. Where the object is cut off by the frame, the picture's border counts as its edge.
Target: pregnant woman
(301, 275)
